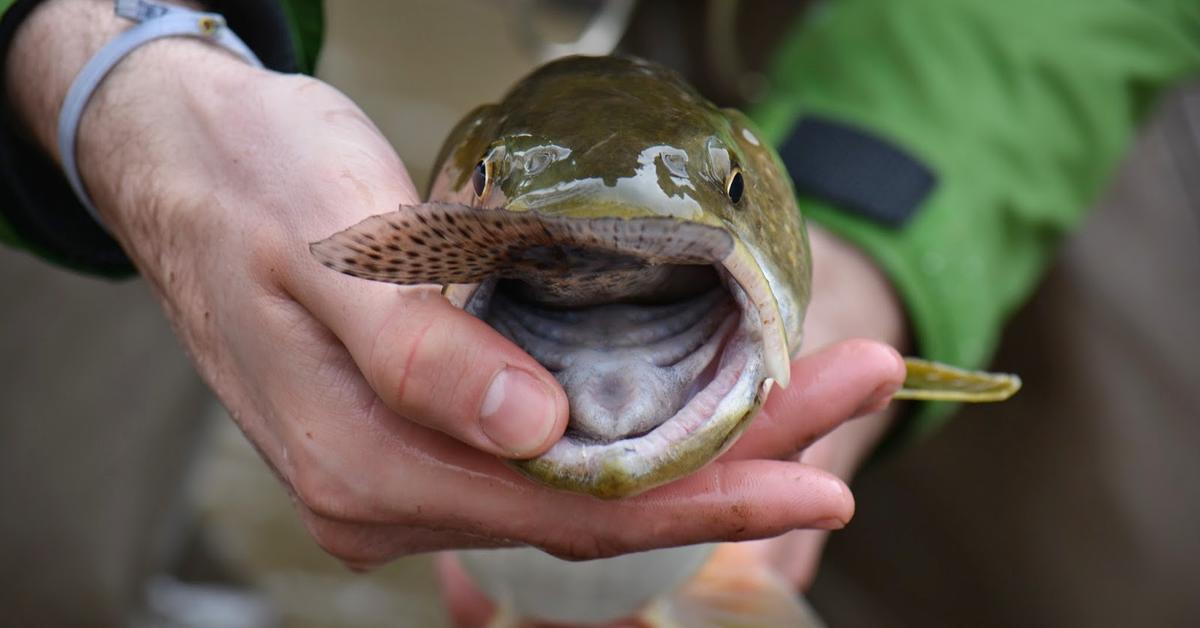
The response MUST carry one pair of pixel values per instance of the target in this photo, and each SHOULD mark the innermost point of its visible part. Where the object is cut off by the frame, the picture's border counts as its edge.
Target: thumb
(436, 365)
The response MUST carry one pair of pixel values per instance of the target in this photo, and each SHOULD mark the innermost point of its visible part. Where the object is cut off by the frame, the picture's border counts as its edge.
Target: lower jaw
(706, 426)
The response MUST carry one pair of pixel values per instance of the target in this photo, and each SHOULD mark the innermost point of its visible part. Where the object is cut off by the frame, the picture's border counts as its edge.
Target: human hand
(851, 298)
(366, 398)
(791, 419)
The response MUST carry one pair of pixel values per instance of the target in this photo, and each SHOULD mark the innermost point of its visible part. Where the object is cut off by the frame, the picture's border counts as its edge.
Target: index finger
(829, 387)
(388, 471)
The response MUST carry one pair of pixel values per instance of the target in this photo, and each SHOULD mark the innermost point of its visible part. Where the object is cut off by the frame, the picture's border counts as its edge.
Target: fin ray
(933, 381)
(448, 243)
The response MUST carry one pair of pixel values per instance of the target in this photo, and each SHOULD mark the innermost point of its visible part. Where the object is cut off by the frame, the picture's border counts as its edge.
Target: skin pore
(365, 398)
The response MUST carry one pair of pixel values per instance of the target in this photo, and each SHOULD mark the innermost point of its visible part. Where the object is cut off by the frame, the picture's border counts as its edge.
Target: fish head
(642, 244)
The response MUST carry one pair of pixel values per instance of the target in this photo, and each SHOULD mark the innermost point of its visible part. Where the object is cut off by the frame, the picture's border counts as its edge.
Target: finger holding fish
(406, 475)
(437, 365)
(570, 252)
(840, 382)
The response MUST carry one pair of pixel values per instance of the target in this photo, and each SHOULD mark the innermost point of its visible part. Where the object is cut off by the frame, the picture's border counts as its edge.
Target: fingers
(393, 473)
(363, 547)
(729, 502)
(438, 366)
(368, 485)
(842, 381)
(381, 474)
(467, 605)
(736, 500)
(795, 556)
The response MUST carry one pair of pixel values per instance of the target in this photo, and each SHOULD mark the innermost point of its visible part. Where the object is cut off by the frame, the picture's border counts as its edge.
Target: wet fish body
(652, 258)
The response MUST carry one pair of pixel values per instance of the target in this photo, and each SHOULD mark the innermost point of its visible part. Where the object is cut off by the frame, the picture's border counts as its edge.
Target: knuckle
(402, 364)
(581, 547)
(326, 494)
(343, 542)
(427, 373)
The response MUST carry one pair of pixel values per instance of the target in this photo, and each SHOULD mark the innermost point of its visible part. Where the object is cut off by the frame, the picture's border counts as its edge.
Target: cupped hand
(385, 410)
(809, 423)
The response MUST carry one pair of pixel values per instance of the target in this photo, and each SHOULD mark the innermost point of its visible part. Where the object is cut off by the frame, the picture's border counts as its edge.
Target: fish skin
(653, 157)
(636, 113)
(652, 147)
(618, 155)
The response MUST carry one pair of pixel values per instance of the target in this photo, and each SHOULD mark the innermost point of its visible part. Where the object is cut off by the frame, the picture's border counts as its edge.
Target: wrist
(143, 109)
(48, 50)
(147, 132)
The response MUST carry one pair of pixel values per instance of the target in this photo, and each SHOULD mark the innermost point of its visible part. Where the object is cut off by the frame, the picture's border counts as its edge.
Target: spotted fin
(448, 243)
(932, 381)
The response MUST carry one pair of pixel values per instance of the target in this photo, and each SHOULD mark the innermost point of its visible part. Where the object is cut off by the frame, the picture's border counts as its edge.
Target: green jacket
(1022, 108)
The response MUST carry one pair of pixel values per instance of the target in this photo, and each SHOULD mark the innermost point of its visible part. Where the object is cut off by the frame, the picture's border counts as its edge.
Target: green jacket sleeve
(1022, 108)
(38, 211)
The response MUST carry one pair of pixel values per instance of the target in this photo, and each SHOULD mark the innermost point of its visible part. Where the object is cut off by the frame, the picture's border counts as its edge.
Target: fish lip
(682, 444)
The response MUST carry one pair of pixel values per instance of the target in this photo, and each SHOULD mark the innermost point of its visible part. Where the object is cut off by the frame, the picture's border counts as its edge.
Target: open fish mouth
(656, 388)
(664, 333)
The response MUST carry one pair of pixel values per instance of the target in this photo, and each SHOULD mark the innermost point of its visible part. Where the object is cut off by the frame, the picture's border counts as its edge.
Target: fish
(642, 244)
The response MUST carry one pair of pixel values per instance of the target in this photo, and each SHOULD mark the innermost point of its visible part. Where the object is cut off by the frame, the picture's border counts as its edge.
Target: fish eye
(481, 178)
(735, 185)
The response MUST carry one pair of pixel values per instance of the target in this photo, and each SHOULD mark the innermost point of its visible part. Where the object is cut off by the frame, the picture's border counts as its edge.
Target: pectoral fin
(932, 381)
(448, 243)
(734, 589)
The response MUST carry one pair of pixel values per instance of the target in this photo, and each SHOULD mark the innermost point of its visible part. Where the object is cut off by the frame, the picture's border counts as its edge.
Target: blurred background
(104, 485)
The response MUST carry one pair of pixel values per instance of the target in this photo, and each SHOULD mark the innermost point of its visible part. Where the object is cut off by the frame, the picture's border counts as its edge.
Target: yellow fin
(932, 381)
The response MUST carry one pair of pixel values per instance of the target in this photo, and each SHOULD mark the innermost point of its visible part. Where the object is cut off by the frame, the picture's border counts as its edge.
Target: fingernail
(878, 399)
(832, 523)
(517, 412)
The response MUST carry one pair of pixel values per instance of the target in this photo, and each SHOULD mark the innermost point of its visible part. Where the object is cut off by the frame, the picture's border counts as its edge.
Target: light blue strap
(155, 22)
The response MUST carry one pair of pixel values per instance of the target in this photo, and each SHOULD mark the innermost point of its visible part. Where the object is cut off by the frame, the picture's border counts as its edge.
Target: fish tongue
(448, 243)
(626, 368)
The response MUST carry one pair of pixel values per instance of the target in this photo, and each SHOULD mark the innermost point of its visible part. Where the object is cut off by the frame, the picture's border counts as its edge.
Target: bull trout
(644, 246)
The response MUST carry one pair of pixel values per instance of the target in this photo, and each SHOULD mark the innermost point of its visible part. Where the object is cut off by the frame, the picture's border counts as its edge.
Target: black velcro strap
(856, 170)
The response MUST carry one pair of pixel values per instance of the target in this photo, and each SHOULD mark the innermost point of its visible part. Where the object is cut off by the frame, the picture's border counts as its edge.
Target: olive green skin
(621, 137)
(607, 111)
